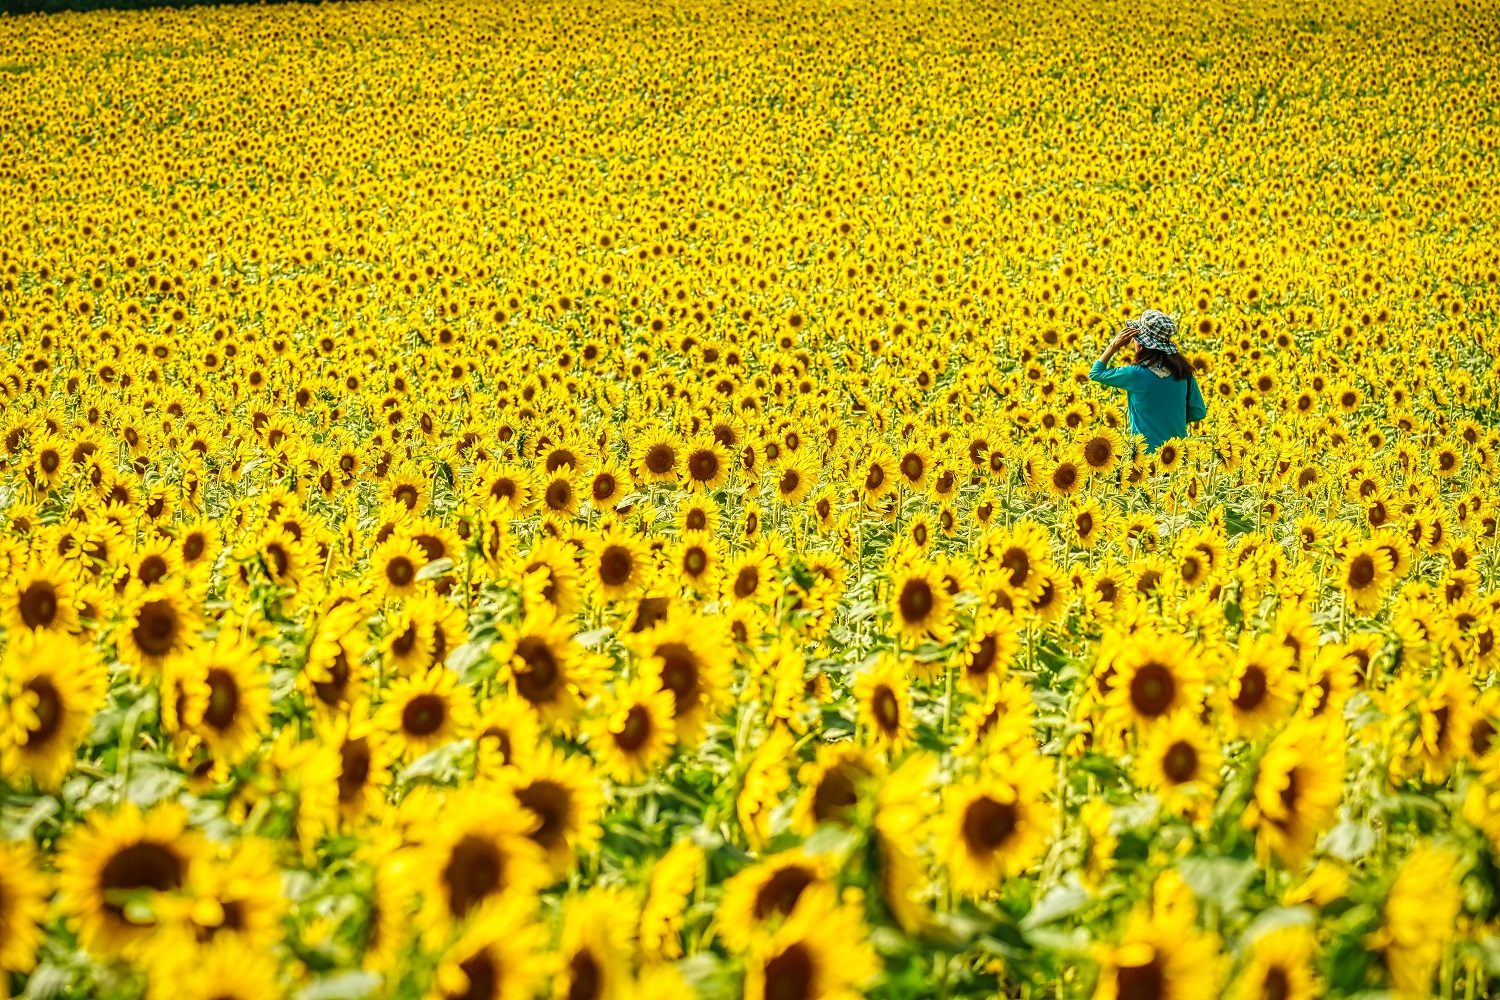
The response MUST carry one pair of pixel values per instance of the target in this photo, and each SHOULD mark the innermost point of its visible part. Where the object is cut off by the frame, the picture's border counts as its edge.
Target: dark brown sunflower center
(912, 467)
(1180, 763)
(1152, 690)
(989, 824)
(983, 658)
(354, 768)
(1253, 689)
(549, 801)
(615, 565)
(782, 890)
(542, 676)
(1277, 984)
(636, 731)
(835, 795)
(585, 976)
(400, 571)
(152, 569)
(223, 699)
(790, 975)
(703, 465)
(155, 630)
(484, 977)
(475, 870)
(790, 480)
(1018, 562)
(1097, 452)
(605, 486)
(746, 581)
(660, 458)
(38, 604)
(886, 709)
(916, 600)
(1141, 982)
(141, 866)
(424, 715)
(875, 478)
(49, 712)
(679, 673)
(1361, 571)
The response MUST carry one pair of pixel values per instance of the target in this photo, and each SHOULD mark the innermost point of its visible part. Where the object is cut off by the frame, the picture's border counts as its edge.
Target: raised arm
(1101, 371)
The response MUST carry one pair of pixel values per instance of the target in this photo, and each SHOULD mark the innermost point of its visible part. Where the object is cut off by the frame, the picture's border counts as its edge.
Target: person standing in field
(1162, 396)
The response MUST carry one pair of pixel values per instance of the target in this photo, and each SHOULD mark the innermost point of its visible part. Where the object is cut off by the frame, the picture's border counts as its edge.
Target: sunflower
(820, 952)
(345, 779)
(1158, 674)
(408, 643)
(504, 486)
(1101, 451)
(885, 704)
(395, 564)
(23, 906)
(425, 712)
(1365, 572)
(836, 785)
(114, 871)
(544, 664)
(920, 604)
(501, 955)
(236, 895)
(226, 968)
(594, 955)
(1281, 965)
(696, 561)
(607, 485)
(707, 466)
(617, 565)
(227, 698)
(53, 685)
(478, 854)
(562, 793)
(913, 466)
(659, 458)
(334, 674)
(750, 578)
(159, 626)
(1180, 762)
(756, 899)
(506, 734)
(1420, 918)
(1259, 693)
(633, 730)
(673, 878)
(795, 477)
(1014, 555)
(1298, 782)
(40, 596)
(550, 575)
(690, 657)
(995, 826)
(1162, 957)
(560, 495)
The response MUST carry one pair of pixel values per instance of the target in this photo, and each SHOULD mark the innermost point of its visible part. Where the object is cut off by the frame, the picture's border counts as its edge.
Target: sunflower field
(605, 501)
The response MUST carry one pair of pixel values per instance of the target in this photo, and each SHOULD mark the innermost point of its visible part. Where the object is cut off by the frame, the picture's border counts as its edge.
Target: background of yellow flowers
(505, 500)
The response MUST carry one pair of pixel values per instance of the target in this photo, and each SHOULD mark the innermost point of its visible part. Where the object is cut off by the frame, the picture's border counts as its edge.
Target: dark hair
(1174, 363)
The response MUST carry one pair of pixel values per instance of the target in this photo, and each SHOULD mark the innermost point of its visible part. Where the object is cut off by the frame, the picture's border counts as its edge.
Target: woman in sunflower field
(1162, 394)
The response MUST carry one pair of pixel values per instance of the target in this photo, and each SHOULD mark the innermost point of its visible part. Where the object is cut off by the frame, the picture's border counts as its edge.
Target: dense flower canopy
(505, 500)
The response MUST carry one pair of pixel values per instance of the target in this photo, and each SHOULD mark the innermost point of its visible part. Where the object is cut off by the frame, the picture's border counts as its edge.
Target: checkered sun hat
(1155, 330)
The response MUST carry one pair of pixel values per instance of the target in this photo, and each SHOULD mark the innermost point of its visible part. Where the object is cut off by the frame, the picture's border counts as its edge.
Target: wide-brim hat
(1155, 329)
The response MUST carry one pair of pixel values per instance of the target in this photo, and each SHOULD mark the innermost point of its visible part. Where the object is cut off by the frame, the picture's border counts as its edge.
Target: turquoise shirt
(1159, 408)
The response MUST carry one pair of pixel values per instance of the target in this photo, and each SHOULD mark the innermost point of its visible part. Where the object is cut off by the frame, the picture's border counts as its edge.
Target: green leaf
(343, 986)
(435, 569)
(1221, 881)
(1060, 901)
(1350, 841)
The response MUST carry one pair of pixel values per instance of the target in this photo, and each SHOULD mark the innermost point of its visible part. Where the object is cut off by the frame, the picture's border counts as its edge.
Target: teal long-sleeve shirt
(1158, 407)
